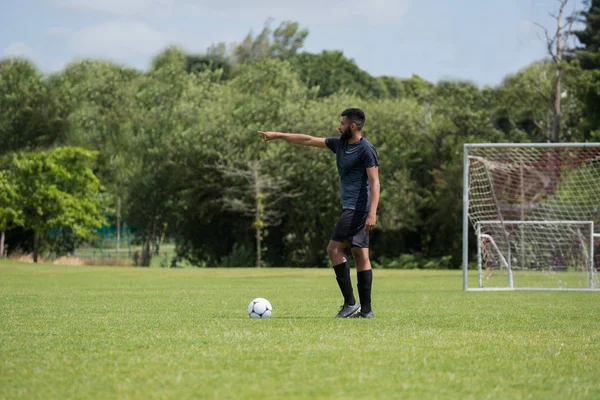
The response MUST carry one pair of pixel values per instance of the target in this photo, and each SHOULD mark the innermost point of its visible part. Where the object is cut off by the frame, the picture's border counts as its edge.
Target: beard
(346, 134)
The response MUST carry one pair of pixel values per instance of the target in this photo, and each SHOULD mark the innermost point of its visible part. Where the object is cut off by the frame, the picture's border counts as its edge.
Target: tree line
(174, 150)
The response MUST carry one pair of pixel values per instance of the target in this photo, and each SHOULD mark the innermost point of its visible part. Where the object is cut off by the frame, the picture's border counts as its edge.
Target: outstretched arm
(295, 138)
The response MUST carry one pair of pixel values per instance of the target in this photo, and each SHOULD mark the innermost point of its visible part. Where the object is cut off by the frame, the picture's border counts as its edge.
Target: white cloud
(19, 49)
(308, 11)
(334, 12)
(125, 37)
(119, 7)
(118, 40)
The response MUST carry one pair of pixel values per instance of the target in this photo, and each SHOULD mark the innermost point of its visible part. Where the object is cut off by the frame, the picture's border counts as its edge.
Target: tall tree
(30, 115)
(201, 63)
(57, 189)
(166, 112)
(588, 55)
(101, 98)
(557, 46)
(10, 212)
(288, 39)
(254, 194)
(589, 37)
(522, 103)
(283, 43)
(333, 72)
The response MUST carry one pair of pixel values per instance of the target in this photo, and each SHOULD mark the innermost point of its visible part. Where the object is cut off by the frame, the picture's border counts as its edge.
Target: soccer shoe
(347, 310)
(361, 314)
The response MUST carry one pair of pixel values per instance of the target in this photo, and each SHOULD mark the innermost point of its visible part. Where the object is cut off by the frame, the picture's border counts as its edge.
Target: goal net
(535, 211)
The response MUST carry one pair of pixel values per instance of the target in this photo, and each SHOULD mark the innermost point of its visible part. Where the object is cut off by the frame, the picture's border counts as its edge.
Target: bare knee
(361, 257)
(335, 251)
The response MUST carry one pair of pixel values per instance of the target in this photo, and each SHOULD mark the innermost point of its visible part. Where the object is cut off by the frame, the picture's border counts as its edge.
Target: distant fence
(106, 252)
(108, 248)
(123, 248)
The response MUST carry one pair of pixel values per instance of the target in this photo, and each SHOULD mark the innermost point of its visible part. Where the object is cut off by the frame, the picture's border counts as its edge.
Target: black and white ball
(260, 308)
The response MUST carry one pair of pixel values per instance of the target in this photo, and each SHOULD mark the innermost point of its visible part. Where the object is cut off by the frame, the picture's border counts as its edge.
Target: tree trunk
(36, 240)
(554, 154)
(146, 253)
(147, 249)
(118, 223)
(258, 248)
(156, 237)
(556, 108)
(560, 47)
(2, 236)
(258, 216)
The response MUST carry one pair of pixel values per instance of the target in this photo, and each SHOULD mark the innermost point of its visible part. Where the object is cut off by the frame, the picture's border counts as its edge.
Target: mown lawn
(109, 332)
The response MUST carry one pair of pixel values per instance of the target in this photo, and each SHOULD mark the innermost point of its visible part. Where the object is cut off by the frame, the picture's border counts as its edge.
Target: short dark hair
(355, 115)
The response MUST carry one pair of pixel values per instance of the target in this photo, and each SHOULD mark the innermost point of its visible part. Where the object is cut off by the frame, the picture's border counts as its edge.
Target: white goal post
(535, 213)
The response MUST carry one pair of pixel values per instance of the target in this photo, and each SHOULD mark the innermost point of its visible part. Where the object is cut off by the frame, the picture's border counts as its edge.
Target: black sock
(365, 280)
(342, 275)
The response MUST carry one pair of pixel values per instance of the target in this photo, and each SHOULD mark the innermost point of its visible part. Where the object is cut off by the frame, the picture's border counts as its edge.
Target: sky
(481, 41)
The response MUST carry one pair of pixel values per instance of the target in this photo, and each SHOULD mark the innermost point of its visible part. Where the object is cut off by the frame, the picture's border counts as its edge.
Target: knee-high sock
(365, 281)
(342, 275)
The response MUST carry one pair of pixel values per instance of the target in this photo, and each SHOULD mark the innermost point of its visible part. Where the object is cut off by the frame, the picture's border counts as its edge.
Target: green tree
(31, 116)
(288, 39)
(586, 88)
(254, 194)
(394, 87)
(101, 97)
(10, 213)
(589, 38)
(167, 100)
(201, 63)
(588, 55)
(333, 72)
(282, 43)
(57, 189)
(523, 103)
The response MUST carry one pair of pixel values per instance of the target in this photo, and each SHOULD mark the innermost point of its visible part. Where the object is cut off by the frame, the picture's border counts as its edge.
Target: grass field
(109, 332)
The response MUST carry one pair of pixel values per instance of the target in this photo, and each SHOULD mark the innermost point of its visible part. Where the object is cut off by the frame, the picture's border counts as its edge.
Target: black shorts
(350, 227)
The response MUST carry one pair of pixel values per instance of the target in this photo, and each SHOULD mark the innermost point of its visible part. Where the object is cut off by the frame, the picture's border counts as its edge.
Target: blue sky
(477, 40)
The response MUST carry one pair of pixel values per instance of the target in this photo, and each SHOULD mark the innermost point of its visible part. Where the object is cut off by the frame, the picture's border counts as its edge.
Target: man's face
(345, 128)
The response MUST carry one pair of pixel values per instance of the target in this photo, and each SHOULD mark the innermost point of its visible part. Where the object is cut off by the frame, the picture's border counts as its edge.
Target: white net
(535, 210)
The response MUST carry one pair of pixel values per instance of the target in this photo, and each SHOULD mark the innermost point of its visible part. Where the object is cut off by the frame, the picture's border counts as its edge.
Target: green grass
(105, 332)
(574, 279)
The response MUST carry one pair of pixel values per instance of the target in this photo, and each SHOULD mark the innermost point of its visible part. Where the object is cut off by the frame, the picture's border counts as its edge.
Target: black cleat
(361, 314)
(347, 310)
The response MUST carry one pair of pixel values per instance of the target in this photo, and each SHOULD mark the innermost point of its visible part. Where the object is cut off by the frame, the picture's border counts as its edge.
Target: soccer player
(357, 165)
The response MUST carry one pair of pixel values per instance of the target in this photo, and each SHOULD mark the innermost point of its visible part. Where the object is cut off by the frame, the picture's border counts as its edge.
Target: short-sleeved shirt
(352, 163)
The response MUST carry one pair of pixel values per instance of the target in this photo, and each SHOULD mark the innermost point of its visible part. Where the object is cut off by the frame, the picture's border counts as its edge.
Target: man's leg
(335, 251)
(364, 275)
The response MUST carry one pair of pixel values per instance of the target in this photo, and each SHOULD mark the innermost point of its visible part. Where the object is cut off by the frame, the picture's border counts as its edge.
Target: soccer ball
(260, 308)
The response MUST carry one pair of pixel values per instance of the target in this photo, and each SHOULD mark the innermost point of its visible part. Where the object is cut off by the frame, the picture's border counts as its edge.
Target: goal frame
(465, 250)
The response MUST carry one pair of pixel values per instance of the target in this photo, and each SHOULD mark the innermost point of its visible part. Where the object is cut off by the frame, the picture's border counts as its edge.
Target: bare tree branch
(255, 194)
(549, 41)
